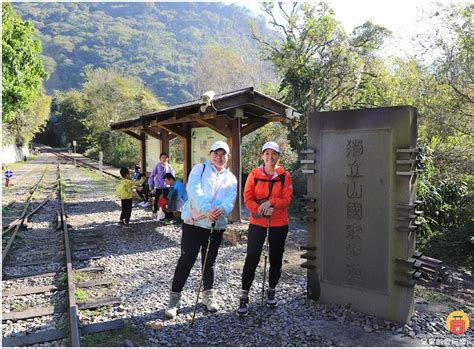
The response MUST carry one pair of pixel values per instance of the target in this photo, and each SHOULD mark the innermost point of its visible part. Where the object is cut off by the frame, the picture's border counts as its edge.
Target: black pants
(144, 193)
(256, 239)
(195, 238)
(163, 191)
(126, 210)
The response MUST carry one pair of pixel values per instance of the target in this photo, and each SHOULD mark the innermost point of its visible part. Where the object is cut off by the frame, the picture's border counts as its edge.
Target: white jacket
(208, 189)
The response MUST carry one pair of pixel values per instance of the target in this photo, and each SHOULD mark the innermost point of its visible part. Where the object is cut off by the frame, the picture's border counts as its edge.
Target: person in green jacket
(125, 194)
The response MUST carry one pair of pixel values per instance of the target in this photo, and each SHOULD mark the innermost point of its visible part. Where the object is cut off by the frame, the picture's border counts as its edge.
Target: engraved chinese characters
(355, 212)
(354, 231)
(354, 151)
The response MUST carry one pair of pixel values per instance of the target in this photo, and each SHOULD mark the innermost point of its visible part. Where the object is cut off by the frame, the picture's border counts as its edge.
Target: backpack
(279, 178)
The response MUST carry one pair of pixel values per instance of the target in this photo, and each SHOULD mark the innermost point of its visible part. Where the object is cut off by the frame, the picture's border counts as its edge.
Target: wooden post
(165, 141)
(143, 151)
(187, 164)
(235, 162)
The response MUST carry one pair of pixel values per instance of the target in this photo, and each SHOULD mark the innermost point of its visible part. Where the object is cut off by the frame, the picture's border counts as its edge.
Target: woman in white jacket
(212, 190)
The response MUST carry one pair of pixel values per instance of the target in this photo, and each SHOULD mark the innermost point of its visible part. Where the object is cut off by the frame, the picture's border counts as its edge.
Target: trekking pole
(265, 256)
(202, 271)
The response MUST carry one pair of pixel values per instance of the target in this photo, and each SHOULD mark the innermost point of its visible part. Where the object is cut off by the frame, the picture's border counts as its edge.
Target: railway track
(82, 161)
(45, 270)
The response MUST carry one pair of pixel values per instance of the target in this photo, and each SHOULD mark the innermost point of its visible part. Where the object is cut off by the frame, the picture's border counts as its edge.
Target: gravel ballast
(142, 259)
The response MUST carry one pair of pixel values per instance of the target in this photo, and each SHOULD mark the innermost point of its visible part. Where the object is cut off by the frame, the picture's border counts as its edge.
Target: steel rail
(74, 331)
(17, 227)
(83, 163)
(31, 191)
(25, 216)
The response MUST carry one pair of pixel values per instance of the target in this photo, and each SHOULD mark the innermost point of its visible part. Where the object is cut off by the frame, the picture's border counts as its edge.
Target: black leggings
(144, 193)
(126, 210)
(256, 239)
(195, 238)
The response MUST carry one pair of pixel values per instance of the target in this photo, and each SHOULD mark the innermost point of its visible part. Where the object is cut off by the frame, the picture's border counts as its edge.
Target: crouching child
(177, 196)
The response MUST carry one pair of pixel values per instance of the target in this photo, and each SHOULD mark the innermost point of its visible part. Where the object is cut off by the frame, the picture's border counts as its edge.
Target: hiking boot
(271, 301)
(243, 306)
(209, 301)
(173, 305)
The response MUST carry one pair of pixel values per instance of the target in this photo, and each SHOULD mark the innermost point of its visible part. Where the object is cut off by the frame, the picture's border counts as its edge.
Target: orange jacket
(280, 197)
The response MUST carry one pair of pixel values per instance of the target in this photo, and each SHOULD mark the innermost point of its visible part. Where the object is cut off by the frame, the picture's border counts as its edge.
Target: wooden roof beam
(218, 125)
(133, 134)
(151, 133)
(160, 130)
(187, 118)
(176, 130)
(249, 128)
(267, 104)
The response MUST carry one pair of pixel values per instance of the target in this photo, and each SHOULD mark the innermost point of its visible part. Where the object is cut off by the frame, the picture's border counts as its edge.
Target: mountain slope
(158, 42)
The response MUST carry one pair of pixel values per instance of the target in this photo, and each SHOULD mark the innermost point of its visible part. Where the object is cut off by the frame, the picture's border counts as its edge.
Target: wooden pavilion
(228, 116)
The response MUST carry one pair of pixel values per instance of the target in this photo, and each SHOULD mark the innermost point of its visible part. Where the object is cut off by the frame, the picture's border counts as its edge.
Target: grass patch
(19, 307)
(91, 174)
(63, 324)
(19, 241)
(114, 338)
(62, 279)
(73, 189)
(96, 312)
(453, 247)
(6, 210)
(431, 295)
(81, 277)
(81, 295)
(101, 291)
(105, 183)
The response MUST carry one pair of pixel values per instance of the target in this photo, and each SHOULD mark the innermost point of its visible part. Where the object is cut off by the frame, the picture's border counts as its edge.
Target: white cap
(271, 145)
(220, 145)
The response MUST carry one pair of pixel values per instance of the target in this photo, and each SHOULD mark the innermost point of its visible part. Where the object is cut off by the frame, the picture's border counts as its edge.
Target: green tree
(253, 142)
(70, 109)
(223, 69)
(449, 111)
(106, 97)
(29, 122)
(322, 68)
(22, 68)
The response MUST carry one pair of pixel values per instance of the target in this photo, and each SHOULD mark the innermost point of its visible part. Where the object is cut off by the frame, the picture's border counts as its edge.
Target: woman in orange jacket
(267, 195)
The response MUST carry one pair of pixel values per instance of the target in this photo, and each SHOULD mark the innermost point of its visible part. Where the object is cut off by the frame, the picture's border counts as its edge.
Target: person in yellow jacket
(124, 191)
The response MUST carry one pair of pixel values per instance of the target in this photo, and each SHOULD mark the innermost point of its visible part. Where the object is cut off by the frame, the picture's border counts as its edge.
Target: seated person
(143, 191)
(137, 173)
(177, 196)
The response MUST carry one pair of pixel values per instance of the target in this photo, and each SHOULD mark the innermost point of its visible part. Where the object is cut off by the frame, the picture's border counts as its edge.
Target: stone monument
(361, 168)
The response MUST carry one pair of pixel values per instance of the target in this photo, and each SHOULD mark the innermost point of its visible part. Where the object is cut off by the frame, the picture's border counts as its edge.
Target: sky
(402, 17)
